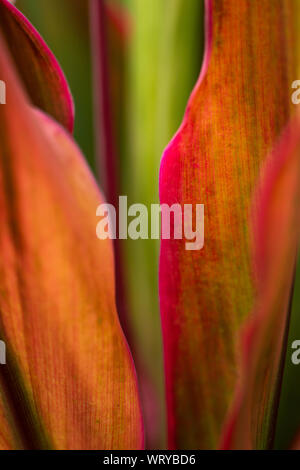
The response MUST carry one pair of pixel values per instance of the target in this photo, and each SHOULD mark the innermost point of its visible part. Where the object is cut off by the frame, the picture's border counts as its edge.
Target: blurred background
(128, 106)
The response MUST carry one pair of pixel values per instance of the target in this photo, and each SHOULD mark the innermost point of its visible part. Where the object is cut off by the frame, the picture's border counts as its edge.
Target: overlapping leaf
(276, 229)
(64, 26)
(69, 381)
(39, 69)
(232, 120)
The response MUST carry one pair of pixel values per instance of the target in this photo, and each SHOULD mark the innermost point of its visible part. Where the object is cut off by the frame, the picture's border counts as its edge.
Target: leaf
(234, 115)
(69, 381)
(64, 26)
(288, 421)
(108, 48)
(7, 439)
(276, 239)
(44, 80)
(296, 442)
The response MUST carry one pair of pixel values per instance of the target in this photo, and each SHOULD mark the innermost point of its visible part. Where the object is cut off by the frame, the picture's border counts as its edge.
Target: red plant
(69, 381)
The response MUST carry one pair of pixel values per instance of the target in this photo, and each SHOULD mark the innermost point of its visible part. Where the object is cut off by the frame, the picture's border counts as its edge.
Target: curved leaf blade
(72, 379)
(44, 80)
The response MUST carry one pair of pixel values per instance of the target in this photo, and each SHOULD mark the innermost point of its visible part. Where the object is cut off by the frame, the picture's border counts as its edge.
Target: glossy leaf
(232, 120)
(39, 69)
(69, 381)
(276, 229)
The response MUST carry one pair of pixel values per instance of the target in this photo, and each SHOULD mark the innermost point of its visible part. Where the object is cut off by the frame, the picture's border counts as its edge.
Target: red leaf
(69, 381)
(234, 115)
(276, 239)
(44, 80)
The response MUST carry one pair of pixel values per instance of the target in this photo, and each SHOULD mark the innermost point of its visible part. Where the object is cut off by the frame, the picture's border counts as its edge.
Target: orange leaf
(239, 106)
(276, 240)
(69, 382)
(296, 443)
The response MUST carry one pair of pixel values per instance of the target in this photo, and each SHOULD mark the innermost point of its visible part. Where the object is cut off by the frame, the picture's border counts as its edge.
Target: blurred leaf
(42, 75)
(69, 381)
(288, 417)
(276, 239)
(232, 120)
(164, 59)
(109, 40)
(296, 442)
(64, 24)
